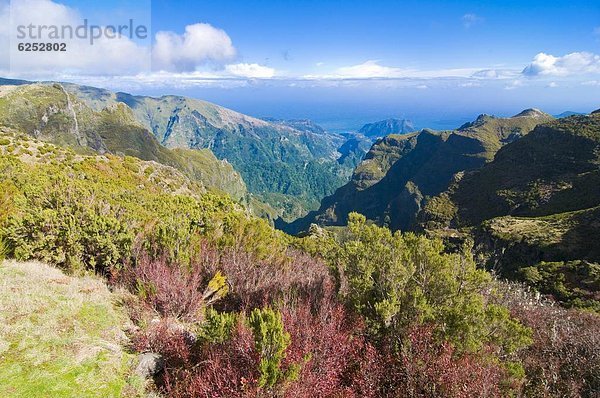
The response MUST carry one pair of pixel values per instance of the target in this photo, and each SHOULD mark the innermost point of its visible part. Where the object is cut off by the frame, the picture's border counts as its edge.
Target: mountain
(305, 125)
(401, 172)
(387, 127)
(291, 165)
(567, 114)
(351, 146)
(534, 211)
(49, 112)
(271, 157)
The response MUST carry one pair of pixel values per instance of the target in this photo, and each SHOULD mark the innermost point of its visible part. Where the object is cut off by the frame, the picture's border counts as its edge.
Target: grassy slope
(60, 336)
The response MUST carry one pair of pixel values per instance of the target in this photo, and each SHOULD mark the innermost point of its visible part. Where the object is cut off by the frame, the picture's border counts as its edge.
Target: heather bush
(336, 360)
(171, 289)
(256, 283)
(426, 368)
(564, 359)
(304, 344)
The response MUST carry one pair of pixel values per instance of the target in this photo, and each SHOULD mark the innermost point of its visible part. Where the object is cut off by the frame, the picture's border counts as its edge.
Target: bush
(398, 281)
(426, 368)
(573, 283)
(93, 214)
(256, 283)
(270, 341)
(336, 360)
(172, 290)
(564, 359)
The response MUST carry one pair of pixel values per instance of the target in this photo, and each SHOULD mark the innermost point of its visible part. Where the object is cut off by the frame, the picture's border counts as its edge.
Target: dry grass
(60, 336)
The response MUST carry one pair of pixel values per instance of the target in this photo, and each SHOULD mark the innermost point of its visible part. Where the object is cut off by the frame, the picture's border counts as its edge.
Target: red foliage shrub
(255, 283)
(336, 360)
(167, 339)
(169, 289)
(564, 359)
(426, 368)
(223, 370)
(334, 363)
(173, 290)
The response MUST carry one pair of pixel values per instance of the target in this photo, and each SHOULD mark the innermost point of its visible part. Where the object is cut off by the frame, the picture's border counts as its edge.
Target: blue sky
(423, 34)
(341, 63)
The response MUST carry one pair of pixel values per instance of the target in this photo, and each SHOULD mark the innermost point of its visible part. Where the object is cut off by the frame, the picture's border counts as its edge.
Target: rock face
(149, 365)
(401, 172)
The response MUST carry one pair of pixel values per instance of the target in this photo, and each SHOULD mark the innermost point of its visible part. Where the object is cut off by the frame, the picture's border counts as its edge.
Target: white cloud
(105, 57)
(591, 83)
(201, 55)
(495, 74)
(422, 87)
(201, 43)
(470, 84)
(576, 63)
(369, 69)
(514, 85)
(552, 85)
(250, 71)
(372, 69)
(471, 19)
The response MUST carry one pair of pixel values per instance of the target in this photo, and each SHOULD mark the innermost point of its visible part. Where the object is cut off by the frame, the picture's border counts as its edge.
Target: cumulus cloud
(201, 43)
(106, 56)
(514, 85)
(471, 19)
(203, 54)
(576, 63)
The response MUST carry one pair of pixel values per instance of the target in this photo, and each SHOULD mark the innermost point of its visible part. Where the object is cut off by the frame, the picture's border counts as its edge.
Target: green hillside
(49, 113)
(400, 173)
(291, 158)
(294, 159)
(533, 211)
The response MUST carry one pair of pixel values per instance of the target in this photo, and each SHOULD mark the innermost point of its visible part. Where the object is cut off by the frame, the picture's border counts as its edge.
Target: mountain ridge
(400, 172)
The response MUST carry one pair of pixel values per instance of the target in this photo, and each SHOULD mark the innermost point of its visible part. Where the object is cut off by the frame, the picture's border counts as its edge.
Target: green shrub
(398, 281)
(271, 342)
(574, 283)
(217, 326)
(92, 214)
